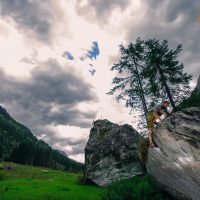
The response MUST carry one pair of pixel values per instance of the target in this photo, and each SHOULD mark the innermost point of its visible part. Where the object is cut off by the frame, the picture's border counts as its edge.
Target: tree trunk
(142, 96)
(141, 89)
(141, 92)
(167, 88)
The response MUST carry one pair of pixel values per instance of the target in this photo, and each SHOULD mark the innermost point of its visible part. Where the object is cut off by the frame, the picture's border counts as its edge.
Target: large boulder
(111, 153)
(175, 163)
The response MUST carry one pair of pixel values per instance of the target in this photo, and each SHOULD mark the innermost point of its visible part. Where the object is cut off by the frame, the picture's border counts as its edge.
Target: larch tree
(164, 73)
(149, 71)
(130, 84)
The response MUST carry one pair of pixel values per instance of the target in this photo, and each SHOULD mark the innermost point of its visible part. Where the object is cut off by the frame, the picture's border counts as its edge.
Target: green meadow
(22, 182)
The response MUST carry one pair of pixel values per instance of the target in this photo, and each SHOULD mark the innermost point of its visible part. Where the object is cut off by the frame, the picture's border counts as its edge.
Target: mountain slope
(194, 99)
(18, 144)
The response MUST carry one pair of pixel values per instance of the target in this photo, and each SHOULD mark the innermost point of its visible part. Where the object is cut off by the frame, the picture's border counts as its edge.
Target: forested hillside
(194, 99)
(18, 144)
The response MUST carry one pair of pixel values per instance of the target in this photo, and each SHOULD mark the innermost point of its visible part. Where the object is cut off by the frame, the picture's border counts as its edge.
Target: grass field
(21, 182)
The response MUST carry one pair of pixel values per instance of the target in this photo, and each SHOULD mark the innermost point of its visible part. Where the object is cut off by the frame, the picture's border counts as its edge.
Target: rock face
(110, 153)
(175, 163)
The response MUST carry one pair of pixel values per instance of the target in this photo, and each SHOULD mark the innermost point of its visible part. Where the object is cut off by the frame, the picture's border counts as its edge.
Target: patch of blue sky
(68, 55)
(94, 52)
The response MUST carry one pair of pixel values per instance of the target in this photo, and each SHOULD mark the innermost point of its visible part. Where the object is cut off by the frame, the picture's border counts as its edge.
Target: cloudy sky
(55, 59)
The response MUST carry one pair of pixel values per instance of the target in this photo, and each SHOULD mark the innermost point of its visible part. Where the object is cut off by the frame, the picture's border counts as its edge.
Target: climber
(154, 115)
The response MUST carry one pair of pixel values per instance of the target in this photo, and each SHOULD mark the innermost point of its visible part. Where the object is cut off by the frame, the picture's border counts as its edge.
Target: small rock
(8, 167)
(45, 170)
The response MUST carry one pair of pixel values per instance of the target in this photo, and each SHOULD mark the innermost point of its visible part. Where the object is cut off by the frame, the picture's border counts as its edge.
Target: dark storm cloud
(49, 97)
(35, 18)
(73, 142)
(50, 136)
(76, 150)
(175, 21)
(77, 145)
(32, 59)
(54, 138)
(100, 10)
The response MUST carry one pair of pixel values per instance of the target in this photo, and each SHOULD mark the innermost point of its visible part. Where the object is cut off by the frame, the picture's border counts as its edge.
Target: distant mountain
(18, 144)
(63, 153)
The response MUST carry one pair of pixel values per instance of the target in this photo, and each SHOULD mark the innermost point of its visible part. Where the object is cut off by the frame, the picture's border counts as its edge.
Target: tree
(164, 73)
(150, 71)
(131, 83)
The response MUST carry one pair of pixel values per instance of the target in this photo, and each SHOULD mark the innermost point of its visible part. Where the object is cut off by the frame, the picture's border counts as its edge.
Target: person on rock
(154, 115)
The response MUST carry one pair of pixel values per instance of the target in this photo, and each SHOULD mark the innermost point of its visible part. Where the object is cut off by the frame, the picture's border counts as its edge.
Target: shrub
(2, 172)
(4, 189)
(81, 179)
(142, 149)
(136, 188)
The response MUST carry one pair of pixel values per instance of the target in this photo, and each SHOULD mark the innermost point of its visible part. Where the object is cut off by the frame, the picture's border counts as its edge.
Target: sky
(56, 56)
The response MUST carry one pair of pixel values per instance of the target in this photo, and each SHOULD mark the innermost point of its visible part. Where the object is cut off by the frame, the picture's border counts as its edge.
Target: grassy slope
(32, 183)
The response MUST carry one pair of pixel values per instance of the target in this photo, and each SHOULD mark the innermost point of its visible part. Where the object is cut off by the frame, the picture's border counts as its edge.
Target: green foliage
(142, 149)
(4, 189)
(81, 179)
(164, 72)
(18, 144)
(192, 101)
(37, 183)
(2, 175)
(130, 82)
(137, 188)
(23, 182)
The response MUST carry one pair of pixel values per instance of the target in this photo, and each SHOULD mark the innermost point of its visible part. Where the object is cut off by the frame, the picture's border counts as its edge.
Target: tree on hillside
(130, 83)
(164, 73)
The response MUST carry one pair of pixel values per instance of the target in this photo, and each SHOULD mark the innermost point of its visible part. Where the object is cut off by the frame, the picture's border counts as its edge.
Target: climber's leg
(150, 119)
(150, 137)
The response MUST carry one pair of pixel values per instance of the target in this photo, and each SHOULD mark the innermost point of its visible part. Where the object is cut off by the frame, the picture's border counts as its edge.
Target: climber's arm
(166, 111)
(168, 114)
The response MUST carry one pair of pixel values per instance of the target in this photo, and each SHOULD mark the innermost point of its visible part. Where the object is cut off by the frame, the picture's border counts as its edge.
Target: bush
(4, 189)
(2, 175)
(81, 179)
(142, 149)
(136, 188)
